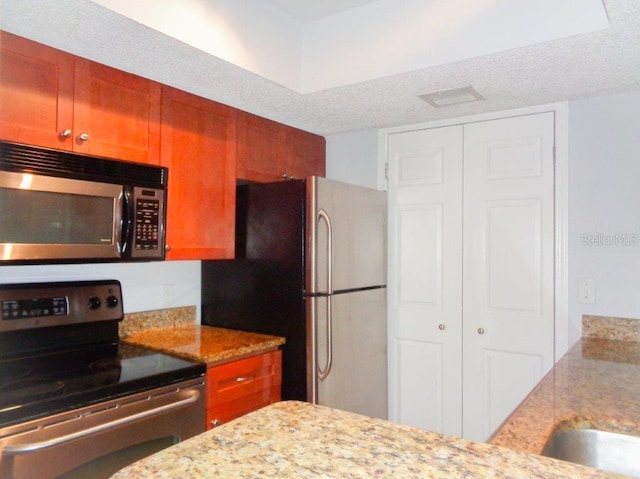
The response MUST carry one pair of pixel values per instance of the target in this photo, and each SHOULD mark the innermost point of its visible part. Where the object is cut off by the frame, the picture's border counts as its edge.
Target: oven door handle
(17, 449)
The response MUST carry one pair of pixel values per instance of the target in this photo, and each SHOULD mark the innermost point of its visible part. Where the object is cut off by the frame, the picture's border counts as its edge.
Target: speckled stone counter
(205, 343)
(300, 440)
(596, 384)
(159, 318)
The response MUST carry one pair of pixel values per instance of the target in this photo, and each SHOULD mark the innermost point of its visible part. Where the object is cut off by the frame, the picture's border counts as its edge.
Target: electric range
(59, 349)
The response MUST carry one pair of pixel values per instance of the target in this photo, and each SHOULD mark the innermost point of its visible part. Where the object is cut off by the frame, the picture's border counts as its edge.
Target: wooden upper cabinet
(50, 98)
(36, 93)
(198, 144)
(302, 154)
(270, 151)
(258, 141)
(118, 112)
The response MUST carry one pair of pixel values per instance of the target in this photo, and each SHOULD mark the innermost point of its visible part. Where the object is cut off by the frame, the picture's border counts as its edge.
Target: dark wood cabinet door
(51, 98)
(36, 93)
(270, 151)
(258, 143)
(198, 145)
(118, 112)
(302, 154)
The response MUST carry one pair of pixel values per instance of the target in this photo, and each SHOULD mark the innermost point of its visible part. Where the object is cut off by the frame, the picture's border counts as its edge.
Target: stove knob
(94, 302)
(112, 301)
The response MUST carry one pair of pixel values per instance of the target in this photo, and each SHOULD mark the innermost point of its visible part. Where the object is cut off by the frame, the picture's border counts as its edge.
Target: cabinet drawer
(232, 381)
(226, 412)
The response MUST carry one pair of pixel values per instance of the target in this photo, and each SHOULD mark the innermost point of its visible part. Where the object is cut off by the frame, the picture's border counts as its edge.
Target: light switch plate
(168, 292)
(586, 290)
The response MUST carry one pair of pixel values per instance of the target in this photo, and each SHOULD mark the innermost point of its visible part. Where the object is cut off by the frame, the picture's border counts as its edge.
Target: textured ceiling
(590, 64)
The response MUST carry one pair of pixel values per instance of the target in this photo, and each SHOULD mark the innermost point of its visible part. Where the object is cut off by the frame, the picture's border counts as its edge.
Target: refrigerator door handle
(324, 372)
(322, 215)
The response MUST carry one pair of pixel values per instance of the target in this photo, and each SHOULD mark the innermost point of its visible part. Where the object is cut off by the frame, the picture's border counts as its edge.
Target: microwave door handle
(127, 218)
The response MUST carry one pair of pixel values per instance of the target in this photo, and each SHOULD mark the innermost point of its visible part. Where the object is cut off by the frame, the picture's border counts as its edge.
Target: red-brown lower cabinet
(239, 387)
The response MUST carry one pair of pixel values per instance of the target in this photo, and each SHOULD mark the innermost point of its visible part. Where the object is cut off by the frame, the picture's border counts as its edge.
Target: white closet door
(425, 221)
(508, 280)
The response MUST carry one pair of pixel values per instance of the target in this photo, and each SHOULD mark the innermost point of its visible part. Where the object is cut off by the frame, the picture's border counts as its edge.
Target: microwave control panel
(148, 239)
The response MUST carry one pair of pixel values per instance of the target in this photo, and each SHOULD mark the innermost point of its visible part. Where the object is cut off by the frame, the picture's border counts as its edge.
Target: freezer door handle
(324, 372)
(322, 215)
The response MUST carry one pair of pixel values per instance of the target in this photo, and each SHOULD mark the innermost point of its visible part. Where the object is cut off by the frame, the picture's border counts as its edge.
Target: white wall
(253, 34)
(604, 205)
(353, 158)
(145, 286)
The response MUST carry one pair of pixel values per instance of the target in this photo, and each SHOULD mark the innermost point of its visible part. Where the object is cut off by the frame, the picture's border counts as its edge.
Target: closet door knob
(441, 327)
(480, 330)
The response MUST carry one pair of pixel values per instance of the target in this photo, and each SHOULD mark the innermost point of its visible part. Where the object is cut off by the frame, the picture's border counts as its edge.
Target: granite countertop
(299, 440)
(206, 344)
(595, 385)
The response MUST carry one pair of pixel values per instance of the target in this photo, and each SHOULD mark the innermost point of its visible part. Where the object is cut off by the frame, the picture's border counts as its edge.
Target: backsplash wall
(145, 286)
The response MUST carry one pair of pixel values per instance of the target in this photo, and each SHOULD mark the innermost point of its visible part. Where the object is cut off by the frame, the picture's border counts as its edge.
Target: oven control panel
(34, 308)
(34, 305)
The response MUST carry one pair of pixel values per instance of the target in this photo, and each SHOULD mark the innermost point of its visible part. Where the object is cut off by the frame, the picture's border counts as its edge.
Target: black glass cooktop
(56, 381)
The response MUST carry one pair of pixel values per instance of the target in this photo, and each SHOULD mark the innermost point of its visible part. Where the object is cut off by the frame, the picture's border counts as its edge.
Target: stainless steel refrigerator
(311, 266)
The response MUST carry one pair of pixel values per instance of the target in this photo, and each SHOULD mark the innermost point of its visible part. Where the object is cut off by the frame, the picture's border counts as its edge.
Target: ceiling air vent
(451, 97)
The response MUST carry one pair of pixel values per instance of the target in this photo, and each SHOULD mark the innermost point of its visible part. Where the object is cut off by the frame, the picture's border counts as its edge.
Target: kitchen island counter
(206, 344)
(300, 440)
(595, 385)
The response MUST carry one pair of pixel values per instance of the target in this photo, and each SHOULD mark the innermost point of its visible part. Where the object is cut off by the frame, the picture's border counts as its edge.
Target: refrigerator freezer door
(357, 381)
(357, 219)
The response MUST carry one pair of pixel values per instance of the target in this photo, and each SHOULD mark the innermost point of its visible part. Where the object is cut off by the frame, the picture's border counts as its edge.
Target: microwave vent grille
(21, 158)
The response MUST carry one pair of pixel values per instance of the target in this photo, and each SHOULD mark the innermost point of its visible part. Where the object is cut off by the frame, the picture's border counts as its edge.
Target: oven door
(48, 218)
(95, 442)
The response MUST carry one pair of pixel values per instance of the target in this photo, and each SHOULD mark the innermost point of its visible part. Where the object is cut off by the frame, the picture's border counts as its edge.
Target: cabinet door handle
(66, 133)
(441, 327)
(480, 330)
(215, 423)
(83, 136)
(242, 379)
(287, 176)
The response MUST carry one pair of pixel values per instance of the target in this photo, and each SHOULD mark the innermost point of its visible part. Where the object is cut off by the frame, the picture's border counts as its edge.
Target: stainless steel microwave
(58, 206)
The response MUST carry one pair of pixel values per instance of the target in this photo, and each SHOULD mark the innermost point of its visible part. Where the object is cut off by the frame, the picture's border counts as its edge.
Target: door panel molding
(497, 366)
(508, 221)
(498, 165)
(420, 245)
